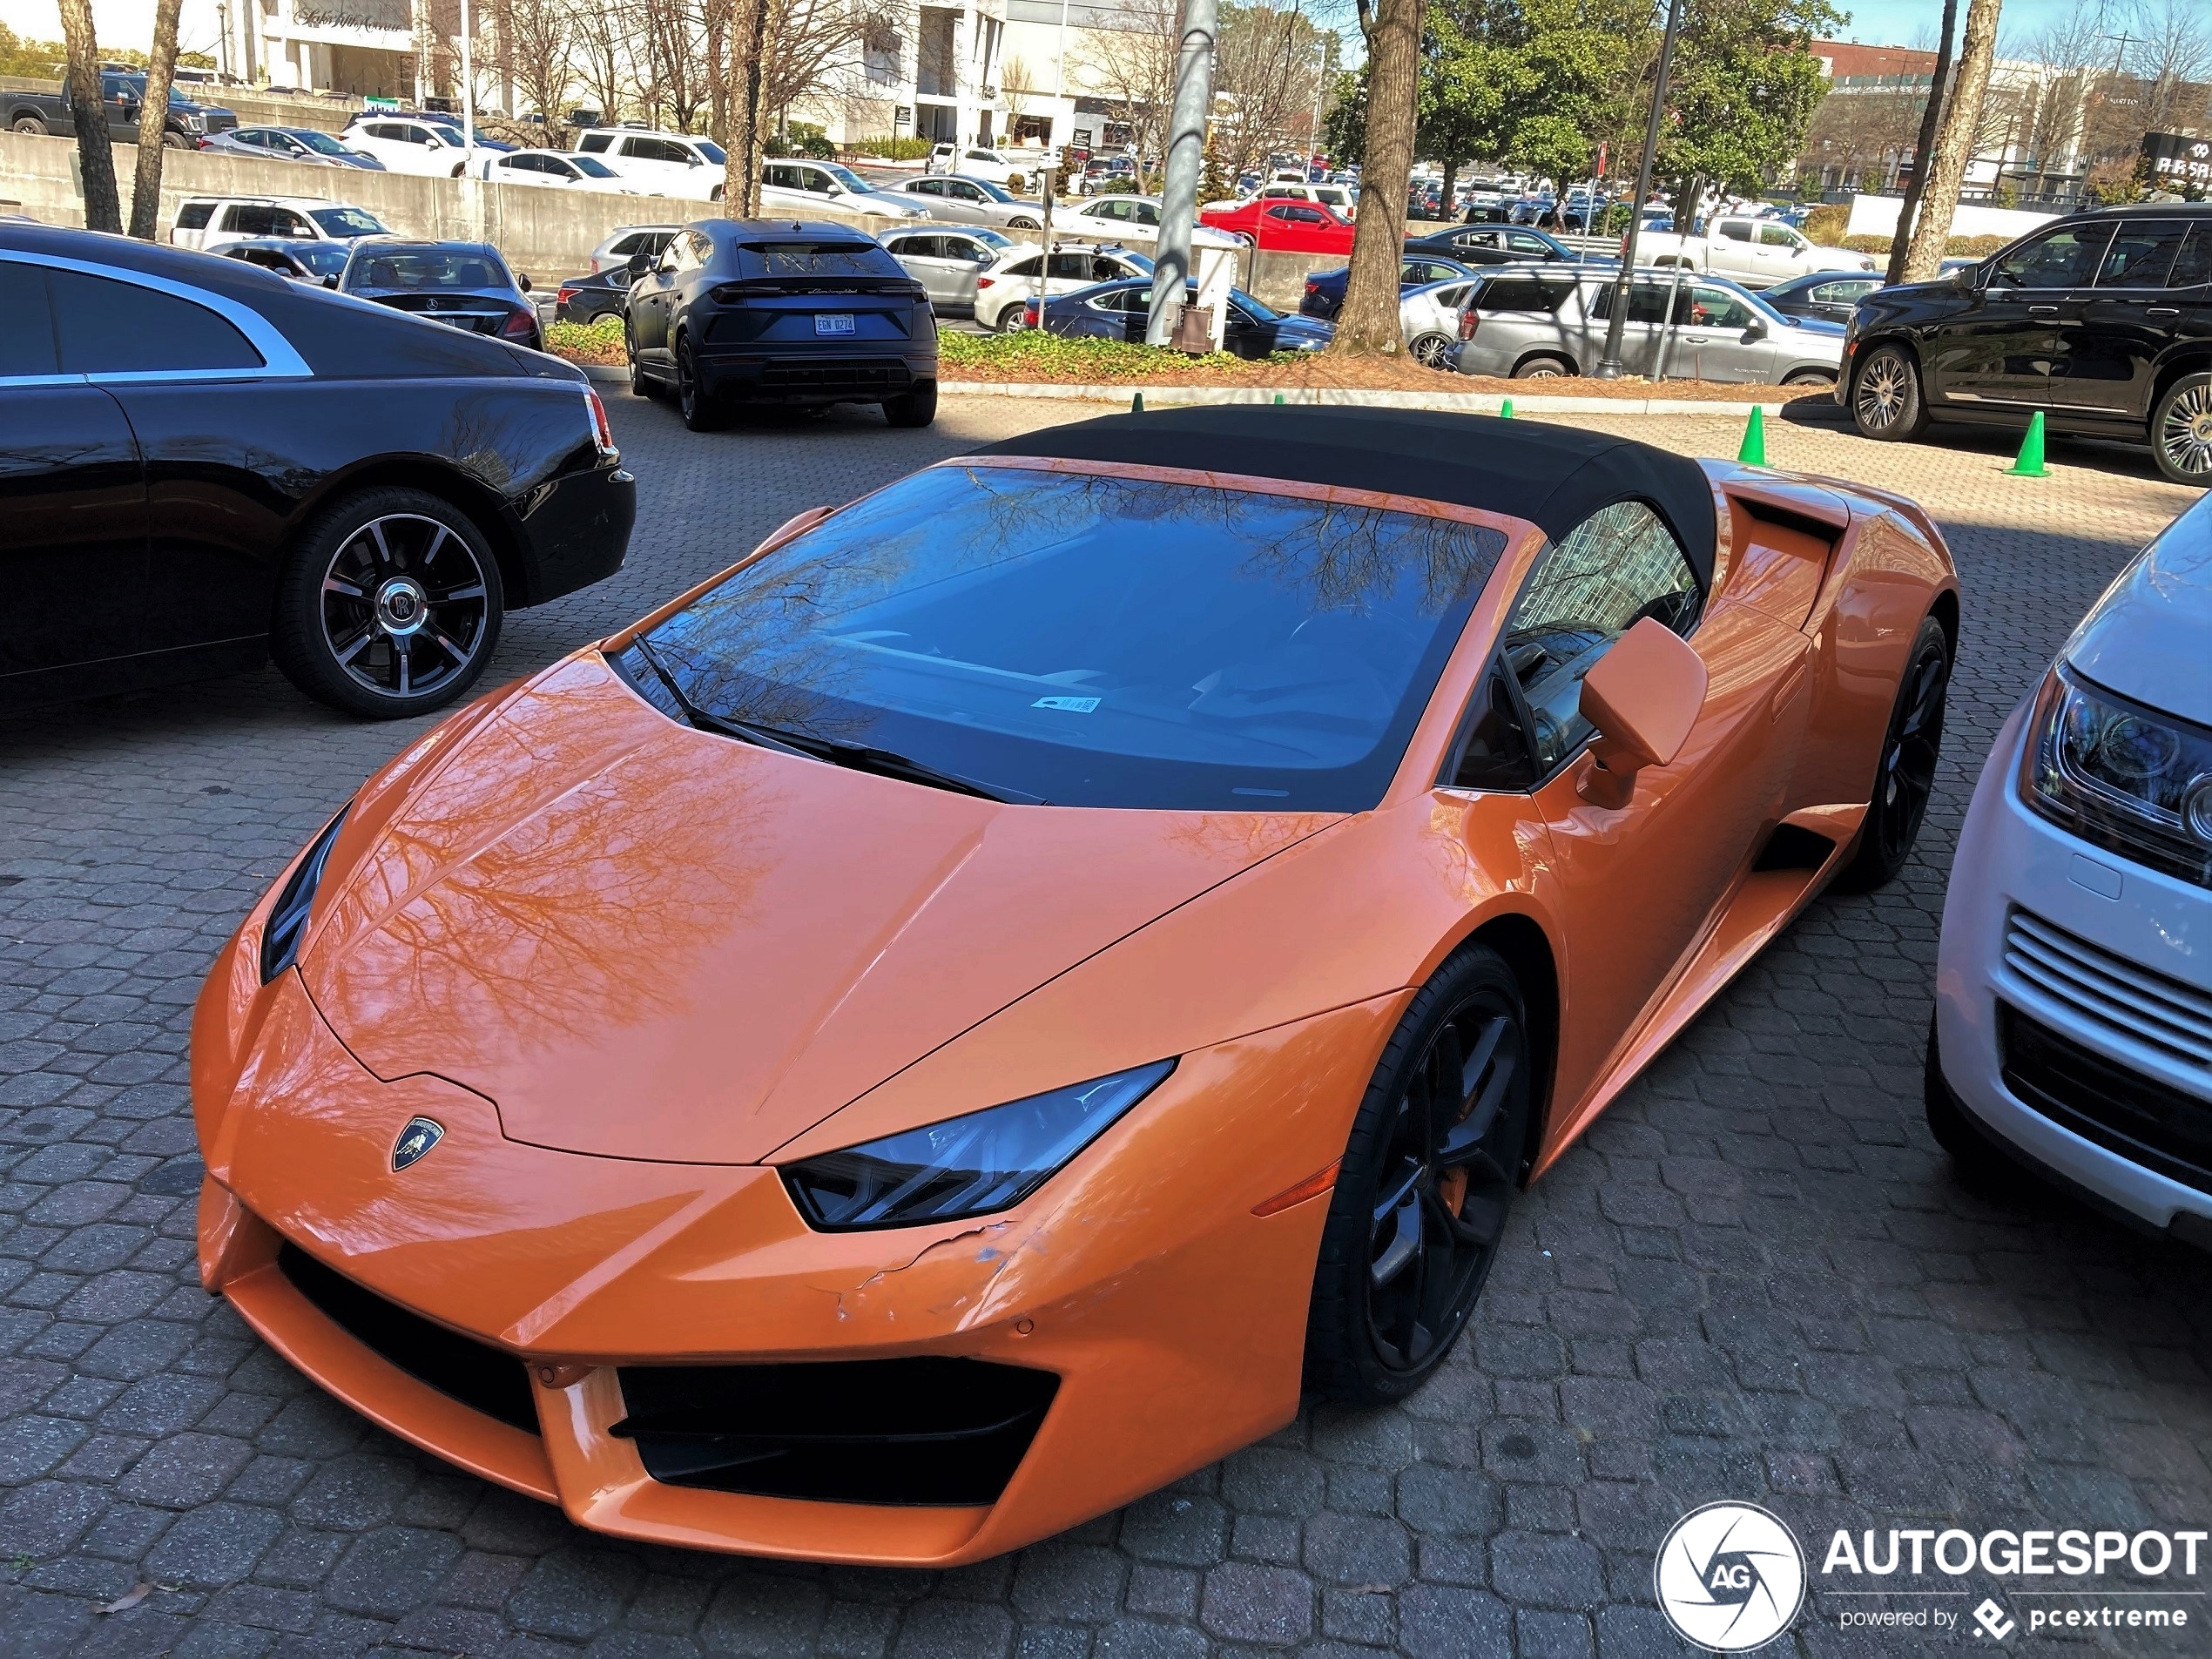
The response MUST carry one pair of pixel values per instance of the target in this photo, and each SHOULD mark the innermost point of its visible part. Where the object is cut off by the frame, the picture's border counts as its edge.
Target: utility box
(1216, 268)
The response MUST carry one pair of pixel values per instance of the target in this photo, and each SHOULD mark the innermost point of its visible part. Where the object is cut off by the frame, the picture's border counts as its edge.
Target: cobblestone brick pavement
(1755, 1280)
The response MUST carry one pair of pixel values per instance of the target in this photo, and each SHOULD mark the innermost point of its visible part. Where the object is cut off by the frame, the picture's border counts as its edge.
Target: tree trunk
(748, 41)
(153, 123)
(1931, 121)
(89, 114)
(1368, 320)
(1443, 196)
(1954, 145)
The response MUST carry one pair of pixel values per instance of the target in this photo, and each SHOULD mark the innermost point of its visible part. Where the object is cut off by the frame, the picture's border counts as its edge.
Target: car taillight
(1467, 323)
(1030, 314)
(601, 434)
(520, 325)
(985, 282)
(564, 296)
(1312, 285)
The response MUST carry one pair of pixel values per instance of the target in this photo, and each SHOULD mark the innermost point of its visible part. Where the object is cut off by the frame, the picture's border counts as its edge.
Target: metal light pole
(1186, 163)
(467, 93)
(1609, 367)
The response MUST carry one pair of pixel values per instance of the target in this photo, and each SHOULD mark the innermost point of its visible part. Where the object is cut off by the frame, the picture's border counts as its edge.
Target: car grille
(874, 376)
(2116, 1107)
(915, 1431)
(476, 1375)
(2117, 995)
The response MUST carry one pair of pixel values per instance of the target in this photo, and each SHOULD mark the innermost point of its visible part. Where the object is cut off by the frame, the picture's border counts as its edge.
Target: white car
(948, 259)
(979, 161)
(2073, 1024)
(1341, 200)
(797, 185)
(550, 167)
(627, 240)
(1126, 218)
(1003, 286)
(1429, 318)
(660, 164)
(971, 201)
(424, 148)
(213, 223)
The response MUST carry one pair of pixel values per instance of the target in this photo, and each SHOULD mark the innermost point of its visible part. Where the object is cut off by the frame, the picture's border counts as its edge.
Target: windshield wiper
(858, 756)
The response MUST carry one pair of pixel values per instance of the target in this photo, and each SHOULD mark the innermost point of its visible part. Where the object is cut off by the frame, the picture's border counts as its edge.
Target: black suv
(2102, 319)
(775, 311)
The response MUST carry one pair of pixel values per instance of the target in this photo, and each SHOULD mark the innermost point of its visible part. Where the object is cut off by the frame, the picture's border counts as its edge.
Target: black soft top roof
(1554, 477)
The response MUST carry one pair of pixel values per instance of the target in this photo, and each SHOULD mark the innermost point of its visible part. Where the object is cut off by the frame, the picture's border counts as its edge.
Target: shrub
(1824, 224)
(1865, 244)
(592, 343)
(1056, 357)
(802, 138)
(893, 149)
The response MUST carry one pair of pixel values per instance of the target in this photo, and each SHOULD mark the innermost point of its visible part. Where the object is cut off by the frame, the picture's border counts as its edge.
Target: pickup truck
(121, 94)
(1758, 253)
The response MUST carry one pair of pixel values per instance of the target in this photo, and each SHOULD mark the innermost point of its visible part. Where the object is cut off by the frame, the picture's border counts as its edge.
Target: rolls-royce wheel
(1886, 398)
(917, 408)
(389, 605)
(2180, 431)
(1906, 776)
(1021, 224)
(1429, 1174)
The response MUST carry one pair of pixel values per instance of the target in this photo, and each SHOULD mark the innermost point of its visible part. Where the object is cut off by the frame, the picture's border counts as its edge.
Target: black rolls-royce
(202, 464)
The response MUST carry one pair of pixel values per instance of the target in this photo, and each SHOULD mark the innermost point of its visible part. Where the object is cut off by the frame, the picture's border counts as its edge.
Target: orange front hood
(646, 941)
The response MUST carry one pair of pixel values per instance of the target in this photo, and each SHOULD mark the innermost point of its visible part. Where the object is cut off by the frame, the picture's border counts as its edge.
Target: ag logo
(1730, 1577)
(415, 1140)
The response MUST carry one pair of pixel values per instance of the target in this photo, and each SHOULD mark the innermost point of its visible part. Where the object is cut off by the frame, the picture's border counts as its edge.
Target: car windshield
(1096, 641)
(991, 190)
(590, 166)
(847, 177)
(346, 221)
(428, 269)
(321, 143)
(324, 258)
(984, 233)
(713, 151)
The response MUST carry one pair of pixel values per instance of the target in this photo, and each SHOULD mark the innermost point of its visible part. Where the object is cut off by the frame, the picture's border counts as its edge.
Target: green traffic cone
(1505, 410)
(1136, 404)
(1752, 453)
(2029, 463)
(1278, 397)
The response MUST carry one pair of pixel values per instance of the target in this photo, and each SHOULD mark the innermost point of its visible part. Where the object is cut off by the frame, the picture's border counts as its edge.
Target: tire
(641, 384)
(1809, 377)
(1411, 1236)
(1024, 224)
(1433, 351)
(1010, 318)
(1886, 401)
(1905, 777)
(389, 605)
(30, 126)
(1979, 1162)
(174, 141)
(2180, 431)
(461, 171)
(1541, 369)
(701, 413)
(915, 409)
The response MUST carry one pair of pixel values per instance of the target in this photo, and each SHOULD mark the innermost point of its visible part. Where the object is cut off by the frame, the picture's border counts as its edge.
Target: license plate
(833, 322)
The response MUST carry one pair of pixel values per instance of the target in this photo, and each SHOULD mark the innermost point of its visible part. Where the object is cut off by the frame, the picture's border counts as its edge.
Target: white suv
(213, 223)
(422, 148)
(549, 167)
(794, 184)
(978, 161)
(661, 164)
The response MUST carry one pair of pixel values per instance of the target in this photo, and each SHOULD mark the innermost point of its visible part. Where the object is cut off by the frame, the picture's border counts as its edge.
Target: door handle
(2042, 311)
(2163, 311)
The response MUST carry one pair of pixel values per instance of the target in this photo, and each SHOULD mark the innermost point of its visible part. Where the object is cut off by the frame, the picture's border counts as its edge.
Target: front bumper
(2013, 867)
(1172, 1318)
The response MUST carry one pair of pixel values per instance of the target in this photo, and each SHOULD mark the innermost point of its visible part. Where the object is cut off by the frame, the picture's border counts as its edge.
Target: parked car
(1340, 199)
(802, 187)
(122, 93)
(774, 311)
(1829, 295)
(587, 299)
(310, 146)
(2072, 1027)
(1757, 253)
(2100, 320)
(664, 163)
(320, 263)
(627, 241)
(1537, 322)
(1324, 736)
(1428, 320)
(424, 148)
(1134, 220)
(462, 285)
(1121, 310)
(1486, 245)
(213, 223)
(550, 167)
(255, 466)
(948, 262)
(1003, 285)
(972, 201)
(1284, 227)
(1323, 295)
(979, 161)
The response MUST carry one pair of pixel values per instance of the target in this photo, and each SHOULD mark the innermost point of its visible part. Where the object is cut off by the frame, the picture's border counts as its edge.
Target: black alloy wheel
(1886, 401)
(390, 605)
(1905, 777)
(2180, 431)
(1428, 1178)
(700, 411)
(915, 409)
(641, 384)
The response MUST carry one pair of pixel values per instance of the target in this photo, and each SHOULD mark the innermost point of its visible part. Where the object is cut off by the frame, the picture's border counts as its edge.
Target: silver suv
(1536, 322)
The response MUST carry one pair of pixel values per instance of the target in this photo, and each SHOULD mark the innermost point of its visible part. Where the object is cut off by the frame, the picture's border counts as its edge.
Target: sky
(117, 22)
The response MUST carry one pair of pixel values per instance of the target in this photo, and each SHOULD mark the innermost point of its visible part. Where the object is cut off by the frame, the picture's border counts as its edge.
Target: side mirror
(330, 282)
(1754, 330)
(637, 264)
(522, 281)
(1642, 697)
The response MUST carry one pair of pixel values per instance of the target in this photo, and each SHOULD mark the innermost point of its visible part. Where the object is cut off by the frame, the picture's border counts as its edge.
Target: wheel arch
(1945, 611)
(1521, 941)
(1555, 354)
(483, 507)
(2195, 358)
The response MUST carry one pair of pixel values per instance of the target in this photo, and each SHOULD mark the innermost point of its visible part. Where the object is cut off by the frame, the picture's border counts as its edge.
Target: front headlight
(965, 1166)
(287, 921)
(2121, 776)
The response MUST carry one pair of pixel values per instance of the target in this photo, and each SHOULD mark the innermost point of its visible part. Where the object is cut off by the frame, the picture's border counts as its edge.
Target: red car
(1284, 226)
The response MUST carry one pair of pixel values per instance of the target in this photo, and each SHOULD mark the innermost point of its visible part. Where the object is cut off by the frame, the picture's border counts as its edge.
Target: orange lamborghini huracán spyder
(951, 1024)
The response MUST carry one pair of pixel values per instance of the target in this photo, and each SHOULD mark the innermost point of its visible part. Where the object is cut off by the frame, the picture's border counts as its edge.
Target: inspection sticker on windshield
(833, 322)
(1073, 704)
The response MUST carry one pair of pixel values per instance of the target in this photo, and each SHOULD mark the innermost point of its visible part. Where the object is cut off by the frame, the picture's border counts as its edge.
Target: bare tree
(1368, 319)
(2176, 63)
(605, 47)
(94, 156)
(1930, 123)
(672, 56)
(1132, 70)
(537, 48)
(154, 123)
(1266, 73)
(810, 43)
(1954, 145)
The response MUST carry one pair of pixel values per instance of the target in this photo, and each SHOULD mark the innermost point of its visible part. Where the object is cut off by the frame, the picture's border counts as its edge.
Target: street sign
(380, 104)
(2177, 161)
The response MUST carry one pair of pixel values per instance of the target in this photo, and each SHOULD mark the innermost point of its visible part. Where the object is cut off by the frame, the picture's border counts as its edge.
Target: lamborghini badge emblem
(416, 1140)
